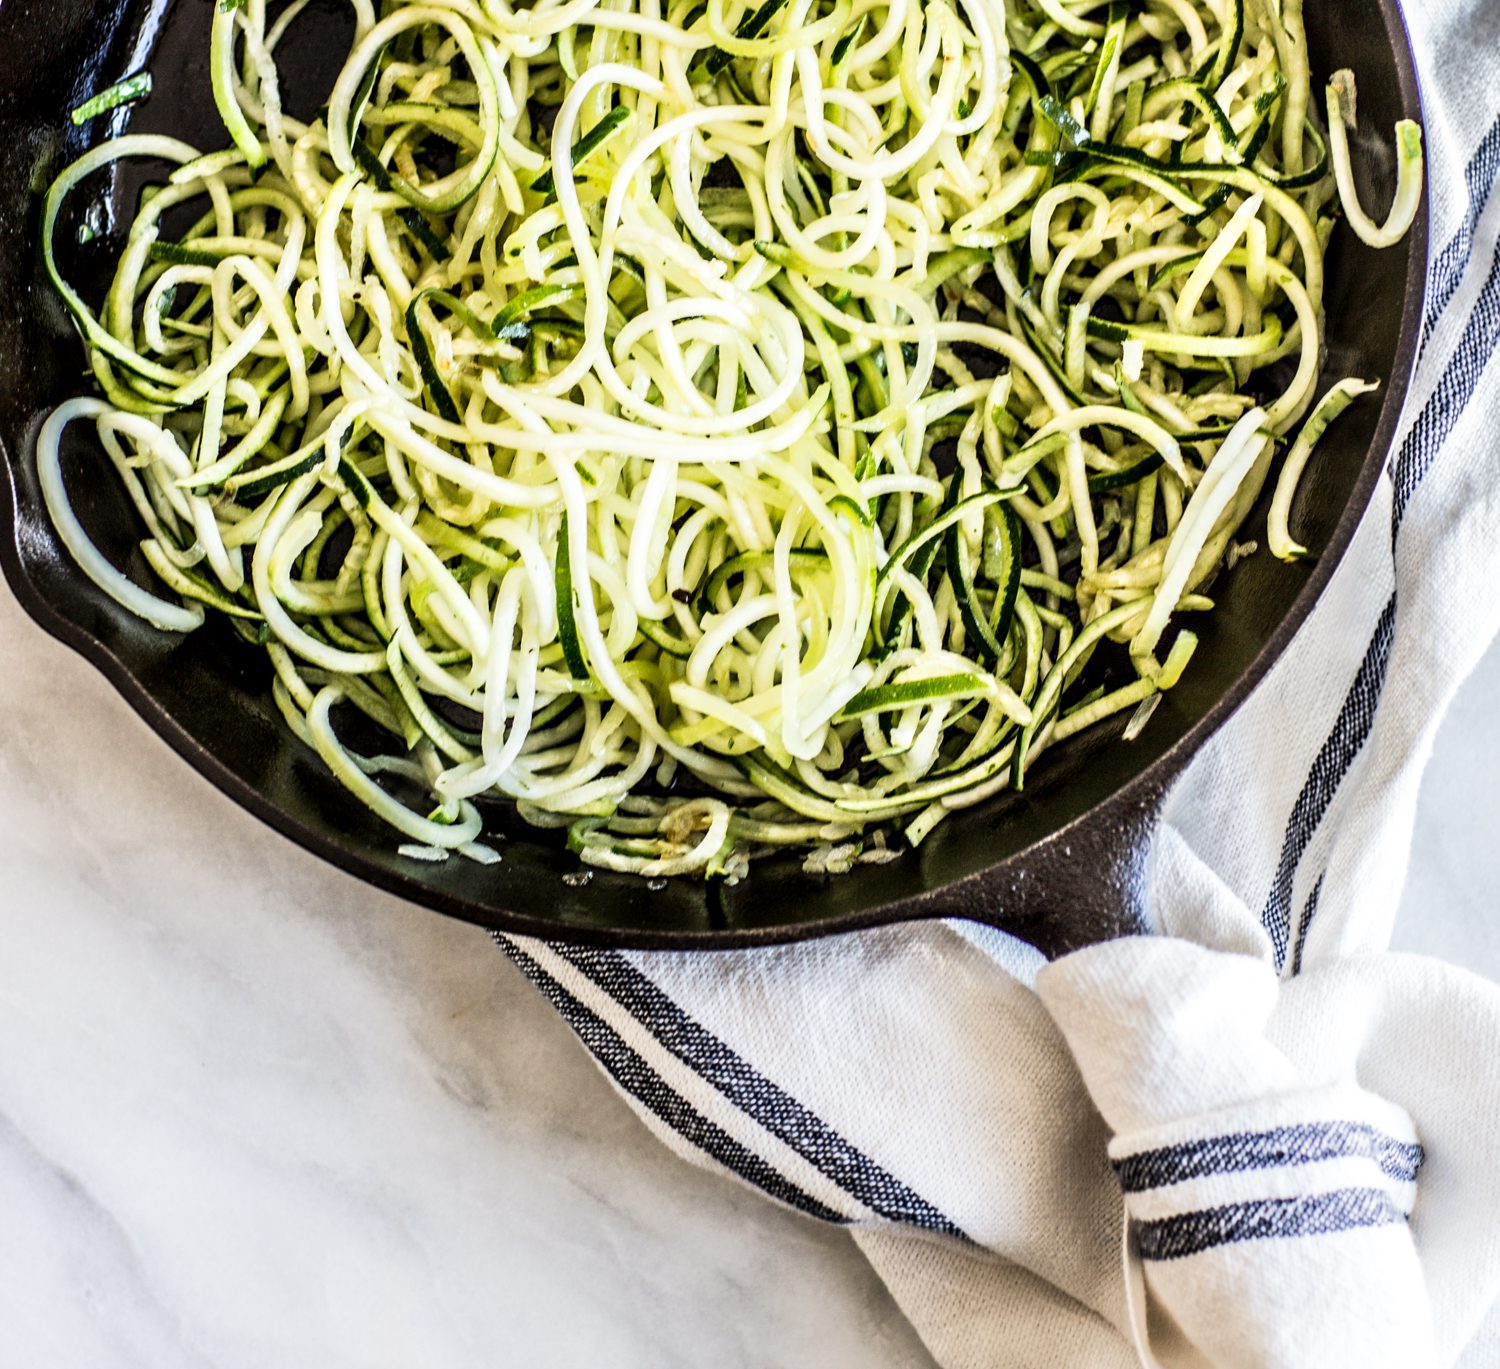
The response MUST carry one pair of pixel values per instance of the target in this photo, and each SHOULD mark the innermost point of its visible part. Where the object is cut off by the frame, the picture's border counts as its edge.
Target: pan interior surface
(1056, 865)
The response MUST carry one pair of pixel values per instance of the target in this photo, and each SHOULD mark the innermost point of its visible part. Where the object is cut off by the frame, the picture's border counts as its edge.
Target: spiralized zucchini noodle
(718, 427)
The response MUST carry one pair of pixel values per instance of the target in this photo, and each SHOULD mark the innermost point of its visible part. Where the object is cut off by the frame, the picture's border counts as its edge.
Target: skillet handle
(1084, 885)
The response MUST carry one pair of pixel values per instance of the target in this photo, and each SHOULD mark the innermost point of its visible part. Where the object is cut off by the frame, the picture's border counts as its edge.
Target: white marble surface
(253, 1114)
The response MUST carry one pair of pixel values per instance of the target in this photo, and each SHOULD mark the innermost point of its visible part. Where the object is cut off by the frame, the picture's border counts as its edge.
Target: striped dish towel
(1257, 1139)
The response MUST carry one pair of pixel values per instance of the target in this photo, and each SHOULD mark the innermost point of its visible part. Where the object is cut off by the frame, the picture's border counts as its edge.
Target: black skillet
(1061, 866)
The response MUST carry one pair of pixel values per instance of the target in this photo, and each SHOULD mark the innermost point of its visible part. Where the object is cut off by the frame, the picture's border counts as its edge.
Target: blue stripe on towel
(771, 1106)
(643, 1084)
(1350, 732)
(1278, 1148)
(1450, 265)
(1450, 399)
(1309, 912)
(1322, 1214)
(1433, 426)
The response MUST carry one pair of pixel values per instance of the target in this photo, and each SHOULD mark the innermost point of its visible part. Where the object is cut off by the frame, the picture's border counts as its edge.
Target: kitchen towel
(1258, 1138)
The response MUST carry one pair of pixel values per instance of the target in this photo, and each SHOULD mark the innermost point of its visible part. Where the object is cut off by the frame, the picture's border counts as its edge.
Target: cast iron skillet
(1061, 866)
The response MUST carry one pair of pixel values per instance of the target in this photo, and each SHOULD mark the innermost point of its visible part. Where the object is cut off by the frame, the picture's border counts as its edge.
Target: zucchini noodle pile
(717, 426)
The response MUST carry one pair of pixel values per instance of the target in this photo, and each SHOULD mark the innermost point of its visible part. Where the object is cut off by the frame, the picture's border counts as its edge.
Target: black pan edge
(1115, 832)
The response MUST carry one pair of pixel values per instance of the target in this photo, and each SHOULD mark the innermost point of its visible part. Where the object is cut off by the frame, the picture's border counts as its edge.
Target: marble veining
(254, 1114)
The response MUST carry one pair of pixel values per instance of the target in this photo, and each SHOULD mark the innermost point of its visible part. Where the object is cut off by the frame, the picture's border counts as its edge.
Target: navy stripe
(643, 1084)
(1420, 450)
(1323, 1214)
(1448, 267)
(1356, 718)
(1279, 1148)
(1309, 912)
(771, 1106)
(1441, 413)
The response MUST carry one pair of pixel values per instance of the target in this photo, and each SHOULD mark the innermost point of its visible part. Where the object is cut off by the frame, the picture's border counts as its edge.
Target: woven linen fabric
(1257, 1138)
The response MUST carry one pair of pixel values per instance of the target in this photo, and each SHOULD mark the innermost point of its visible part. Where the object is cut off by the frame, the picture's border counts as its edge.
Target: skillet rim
(1117, 823)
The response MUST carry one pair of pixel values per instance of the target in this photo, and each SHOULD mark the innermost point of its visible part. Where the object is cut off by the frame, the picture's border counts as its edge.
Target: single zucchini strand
(1409, 164)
